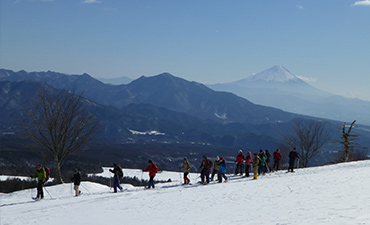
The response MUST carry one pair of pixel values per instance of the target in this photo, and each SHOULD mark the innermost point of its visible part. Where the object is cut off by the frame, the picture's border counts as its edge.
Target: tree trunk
(58, 171)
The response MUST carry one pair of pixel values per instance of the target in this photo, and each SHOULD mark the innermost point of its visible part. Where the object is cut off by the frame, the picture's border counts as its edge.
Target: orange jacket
(152, 169)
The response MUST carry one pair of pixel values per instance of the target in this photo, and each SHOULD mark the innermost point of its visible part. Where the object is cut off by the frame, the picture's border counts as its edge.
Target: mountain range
(163, 115)
(277, 87)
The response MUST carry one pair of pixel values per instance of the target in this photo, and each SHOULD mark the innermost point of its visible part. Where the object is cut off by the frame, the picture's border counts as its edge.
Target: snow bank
(335, 194)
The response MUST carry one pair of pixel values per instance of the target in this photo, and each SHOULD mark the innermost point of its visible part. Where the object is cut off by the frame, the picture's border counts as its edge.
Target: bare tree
(349, 145)
(308, 138)
(61, 124)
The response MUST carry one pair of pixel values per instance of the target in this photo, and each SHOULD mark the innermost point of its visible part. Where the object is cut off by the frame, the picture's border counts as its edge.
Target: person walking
(41, 176)
(118, 174)
(239, 163)
(256, 162)
(76, 179)
(186, 167)
(152, 169)
(277, 157)
(248, 162)
(268, 157)
(293, 155)
(216, 168)
(222, 171)
(205, 170)
(262, 166)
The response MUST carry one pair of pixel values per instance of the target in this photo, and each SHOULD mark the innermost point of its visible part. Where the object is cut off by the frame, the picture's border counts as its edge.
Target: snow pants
(40, 191)
(291, 166)
(276, 165)
(214, 172)
(220, 176)
(77, 190)
(204, 175)
(116, 184)
(247, 170)
(186, 179)
(239, 168)
(151, 182)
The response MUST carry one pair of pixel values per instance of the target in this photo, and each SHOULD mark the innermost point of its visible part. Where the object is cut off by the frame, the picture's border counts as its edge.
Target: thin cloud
(300, 7)
(91, 1)
(362, 3)
(308, 79)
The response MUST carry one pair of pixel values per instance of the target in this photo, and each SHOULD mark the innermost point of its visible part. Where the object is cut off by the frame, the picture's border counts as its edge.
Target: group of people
(219, 169)
(118, 175)
(42, 176)
(260, 164)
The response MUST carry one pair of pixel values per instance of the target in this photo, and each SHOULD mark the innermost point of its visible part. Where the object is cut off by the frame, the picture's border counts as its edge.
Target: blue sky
(209, 41)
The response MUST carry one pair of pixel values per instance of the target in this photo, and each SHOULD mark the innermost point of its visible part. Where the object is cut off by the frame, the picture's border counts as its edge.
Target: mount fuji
(277, 77)
(278, 87)
(276, 74)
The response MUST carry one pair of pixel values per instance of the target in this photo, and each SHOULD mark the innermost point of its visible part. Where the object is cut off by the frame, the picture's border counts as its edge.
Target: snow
(152, 132)
(336, 194)
(223, 116)
(276, 73)
(5, 177)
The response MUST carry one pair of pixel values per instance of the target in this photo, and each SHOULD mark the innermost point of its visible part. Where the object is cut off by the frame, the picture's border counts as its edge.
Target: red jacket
(240, 158)
(277, 155)
(206, 165)
(248, 159)
(152, 169)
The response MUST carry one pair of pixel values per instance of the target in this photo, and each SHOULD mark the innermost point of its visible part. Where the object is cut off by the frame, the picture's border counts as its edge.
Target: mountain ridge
(297, 97)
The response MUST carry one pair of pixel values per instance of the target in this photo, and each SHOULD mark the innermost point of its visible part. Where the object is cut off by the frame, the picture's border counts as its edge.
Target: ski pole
(31, 189)
(47, 192)
(71, 189)
(85, 188)
(110, 183)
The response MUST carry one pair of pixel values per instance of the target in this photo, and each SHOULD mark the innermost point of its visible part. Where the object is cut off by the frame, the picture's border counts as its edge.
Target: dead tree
(61, 124)
(347, 141)
(308, 138)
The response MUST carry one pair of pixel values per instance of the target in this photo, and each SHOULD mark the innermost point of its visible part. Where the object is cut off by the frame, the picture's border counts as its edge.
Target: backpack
(47, 172)
(120, 173)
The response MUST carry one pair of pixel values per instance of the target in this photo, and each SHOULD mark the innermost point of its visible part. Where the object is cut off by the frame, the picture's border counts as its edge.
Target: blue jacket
(223, 166)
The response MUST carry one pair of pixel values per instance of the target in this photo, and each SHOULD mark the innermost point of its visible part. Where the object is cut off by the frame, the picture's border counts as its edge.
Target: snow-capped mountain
(279, 88)
(276, 74)
(276, 77)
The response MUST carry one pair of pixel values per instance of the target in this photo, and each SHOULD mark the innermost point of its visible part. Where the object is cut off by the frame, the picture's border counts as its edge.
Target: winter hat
(249, 153)
(240, 151)
(222, 158)
(150, 161)
(76, 170)
(185, 159)
(256, 153)
(204, 157)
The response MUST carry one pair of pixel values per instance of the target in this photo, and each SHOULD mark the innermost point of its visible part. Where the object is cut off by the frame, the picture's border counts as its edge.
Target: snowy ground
(336, 194)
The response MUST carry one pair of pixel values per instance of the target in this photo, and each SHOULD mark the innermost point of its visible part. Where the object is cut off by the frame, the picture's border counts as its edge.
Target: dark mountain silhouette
(164, 90)
(162, 110)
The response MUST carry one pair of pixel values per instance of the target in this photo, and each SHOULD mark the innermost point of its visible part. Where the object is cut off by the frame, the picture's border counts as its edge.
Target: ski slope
(337, 194)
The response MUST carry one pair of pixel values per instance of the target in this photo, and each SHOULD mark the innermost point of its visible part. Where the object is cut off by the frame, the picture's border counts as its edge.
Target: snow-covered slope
(276, 74)
(335, 194)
